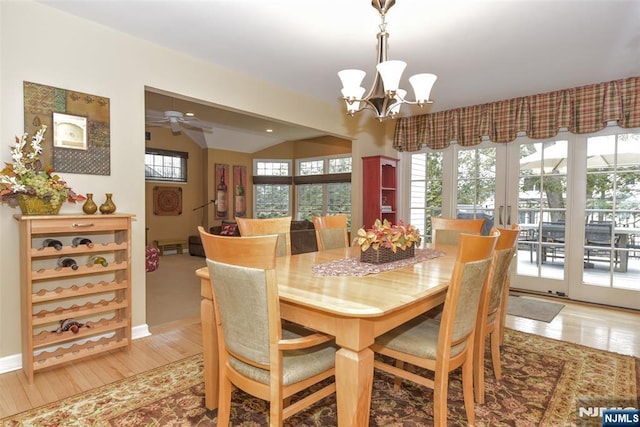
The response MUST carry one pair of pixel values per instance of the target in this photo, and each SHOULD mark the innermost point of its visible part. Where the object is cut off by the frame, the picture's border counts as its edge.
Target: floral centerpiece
(386, 242)
(27, 184)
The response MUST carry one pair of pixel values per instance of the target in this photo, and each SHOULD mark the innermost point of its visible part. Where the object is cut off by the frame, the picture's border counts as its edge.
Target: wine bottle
(52, 243)
(221, 202)
(77, 241)
(68, 262)
(97, 259)
(241, 202)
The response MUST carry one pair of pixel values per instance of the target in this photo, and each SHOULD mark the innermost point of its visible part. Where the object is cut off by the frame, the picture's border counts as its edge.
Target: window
(272, 188)
(426, 190)
(323, 187)
(164, 165)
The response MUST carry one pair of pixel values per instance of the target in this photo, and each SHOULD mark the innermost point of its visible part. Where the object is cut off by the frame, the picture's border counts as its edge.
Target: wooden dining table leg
(354, 381)
(354, 372)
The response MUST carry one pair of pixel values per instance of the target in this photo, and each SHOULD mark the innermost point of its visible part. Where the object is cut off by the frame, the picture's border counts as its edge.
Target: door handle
(508, 215)
(500, 209)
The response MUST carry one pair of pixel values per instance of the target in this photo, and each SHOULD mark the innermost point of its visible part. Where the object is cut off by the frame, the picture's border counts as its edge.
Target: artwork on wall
(222, 191)
(78, 130)
(240, 198)
(167, 201)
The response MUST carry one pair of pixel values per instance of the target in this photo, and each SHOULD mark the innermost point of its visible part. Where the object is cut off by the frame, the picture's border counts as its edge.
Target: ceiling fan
(176, 120)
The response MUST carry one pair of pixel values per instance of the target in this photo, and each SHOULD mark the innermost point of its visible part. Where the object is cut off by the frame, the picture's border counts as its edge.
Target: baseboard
(14, 362)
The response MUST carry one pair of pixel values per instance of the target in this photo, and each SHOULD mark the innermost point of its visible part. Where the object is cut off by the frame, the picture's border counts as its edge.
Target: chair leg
(275, 412)
(478, 369)
(224, 401)
(495, 355)
(397, 381)
(467, 389)
(440, 391)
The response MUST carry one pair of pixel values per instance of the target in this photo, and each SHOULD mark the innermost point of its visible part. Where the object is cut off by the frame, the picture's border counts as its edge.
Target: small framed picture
(69, 131)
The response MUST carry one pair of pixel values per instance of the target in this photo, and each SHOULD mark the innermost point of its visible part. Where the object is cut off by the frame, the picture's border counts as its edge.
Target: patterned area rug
(544, 382)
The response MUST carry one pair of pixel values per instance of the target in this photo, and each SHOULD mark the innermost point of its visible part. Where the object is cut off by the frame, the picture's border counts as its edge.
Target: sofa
(303, 237)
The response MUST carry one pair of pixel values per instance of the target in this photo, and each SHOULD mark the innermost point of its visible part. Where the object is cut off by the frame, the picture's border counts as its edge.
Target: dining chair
(263, 226)
(256, 353)
(492, 304)
(448, 237)
(331, 231)
(445, 345)
(468, 225)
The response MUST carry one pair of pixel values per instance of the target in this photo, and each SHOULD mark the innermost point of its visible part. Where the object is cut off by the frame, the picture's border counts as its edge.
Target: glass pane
(340, 165)
(310, 200)
(426, 191)
(477, 185)
(311, 167)
(612, 216)
(272, 201)
(542, 209)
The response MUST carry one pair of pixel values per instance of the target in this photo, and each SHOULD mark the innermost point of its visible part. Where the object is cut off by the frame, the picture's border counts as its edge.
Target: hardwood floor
(598, 327)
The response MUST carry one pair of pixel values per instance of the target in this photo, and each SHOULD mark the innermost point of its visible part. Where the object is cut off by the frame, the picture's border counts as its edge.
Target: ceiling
(481, 50)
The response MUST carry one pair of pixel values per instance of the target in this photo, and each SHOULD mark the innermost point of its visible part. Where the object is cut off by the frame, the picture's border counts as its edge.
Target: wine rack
(97, 296)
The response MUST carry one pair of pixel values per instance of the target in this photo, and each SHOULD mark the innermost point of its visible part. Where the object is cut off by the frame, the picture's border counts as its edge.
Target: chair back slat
(331, 231)
(468, 225)
(267, 226)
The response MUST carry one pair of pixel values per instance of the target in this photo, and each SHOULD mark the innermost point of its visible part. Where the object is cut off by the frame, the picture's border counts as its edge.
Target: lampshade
(353, 106)
(351, 79)
(391, 72)
(422, 85)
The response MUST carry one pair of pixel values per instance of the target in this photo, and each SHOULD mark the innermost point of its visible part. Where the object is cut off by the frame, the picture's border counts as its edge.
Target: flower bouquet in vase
(386, 242)
(29, 185)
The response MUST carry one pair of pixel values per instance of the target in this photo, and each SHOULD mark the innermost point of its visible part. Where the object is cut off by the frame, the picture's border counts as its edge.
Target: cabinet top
(381, 157)
(21, 217)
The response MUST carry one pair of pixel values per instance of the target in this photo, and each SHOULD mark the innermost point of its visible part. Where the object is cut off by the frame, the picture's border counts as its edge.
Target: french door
(575, 197)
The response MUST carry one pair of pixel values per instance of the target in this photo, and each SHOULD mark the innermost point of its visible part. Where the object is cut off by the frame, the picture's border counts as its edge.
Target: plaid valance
(584, 109)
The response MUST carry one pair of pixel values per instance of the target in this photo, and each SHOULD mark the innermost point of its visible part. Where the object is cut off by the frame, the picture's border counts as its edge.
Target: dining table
(316, 291)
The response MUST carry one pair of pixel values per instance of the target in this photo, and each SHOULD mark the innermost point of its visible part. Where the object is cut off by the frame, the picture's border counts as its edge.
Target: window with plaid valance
(584, 109)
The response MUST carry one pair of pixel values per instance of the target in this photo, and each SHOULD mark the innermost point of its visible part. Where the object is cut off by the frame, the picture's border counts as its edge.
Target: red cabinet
(379, 189)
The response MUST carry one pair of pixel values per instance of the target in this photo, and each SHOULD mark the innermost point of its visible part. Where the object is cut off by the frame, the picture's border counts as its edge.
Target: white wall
(33, 42)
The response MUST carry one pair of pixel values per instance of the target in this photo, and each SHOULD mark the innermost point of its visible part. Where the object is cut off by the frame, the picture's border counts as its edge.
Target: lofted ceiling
(481, 50)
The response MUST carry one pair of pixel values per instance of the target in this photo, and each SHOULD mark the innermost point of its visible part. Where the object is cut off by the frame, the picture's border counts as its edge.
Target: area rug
(544, 382)
(532, 308)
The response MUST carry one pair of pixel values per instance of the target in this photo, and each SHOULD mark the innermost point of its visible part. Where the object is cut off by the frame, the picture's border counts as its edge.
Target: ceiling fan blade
(154, 115)
(198, 124)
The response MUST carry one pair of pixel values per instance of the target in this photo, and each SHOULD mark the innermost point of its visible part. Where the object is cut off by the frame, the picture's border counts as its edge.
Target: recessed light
(189, 114)
(269, 130)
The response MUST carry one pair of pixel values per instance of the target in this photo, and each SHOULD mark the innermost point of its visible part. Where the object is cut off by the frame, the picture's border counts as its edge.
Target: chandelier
(385, 97)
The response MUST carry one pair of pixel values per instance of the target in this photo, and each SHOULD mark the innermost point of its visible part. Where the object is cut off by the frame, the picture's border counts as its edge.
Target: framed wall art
(167, 201)
(78, 129)
(222, 191)
(239, 192)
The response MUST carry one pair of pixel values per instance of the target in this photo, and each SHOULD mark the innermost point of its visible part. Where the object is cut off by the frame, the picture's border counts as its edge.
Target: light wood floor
(606, 329)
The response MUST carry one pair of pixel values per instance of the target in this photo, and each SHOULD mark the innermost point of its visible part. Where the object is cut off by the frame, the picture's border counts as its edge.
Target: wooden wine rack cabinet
(98, 296)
